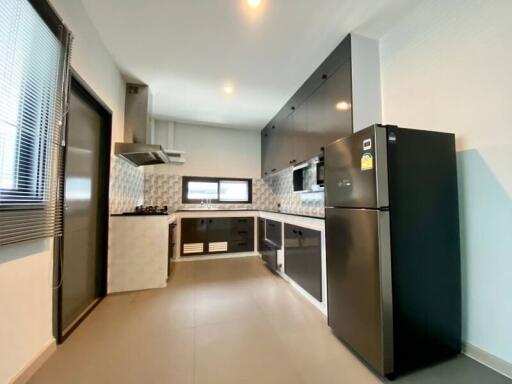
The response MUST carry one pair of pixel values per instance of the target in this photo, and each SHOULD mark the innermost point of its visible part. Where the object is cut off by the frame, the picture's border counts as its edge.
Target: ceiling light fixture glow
(342, 106)
(253, 3)
(228, 89)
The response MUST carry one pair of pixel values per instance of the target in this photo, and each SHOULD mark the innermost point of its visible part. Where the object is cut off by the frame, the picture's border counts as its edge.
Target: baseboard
(183, 259)
(321, 306)
(34, 364)
(488, 359)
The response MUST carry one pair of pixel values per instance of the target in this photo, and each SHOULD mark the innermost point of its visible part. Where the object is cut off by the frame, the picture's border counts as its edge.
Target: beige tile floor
(224, 321)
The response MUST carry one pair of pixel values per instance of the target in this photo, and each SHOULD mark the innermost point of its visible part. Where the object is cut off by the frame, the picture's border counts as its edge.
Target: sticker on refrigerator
(366, 162)
(367, 144)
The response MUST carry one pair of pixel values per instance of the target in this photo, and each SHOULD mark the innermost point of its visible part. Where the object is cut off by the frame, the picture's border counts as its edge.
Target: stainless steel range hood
(135, 149)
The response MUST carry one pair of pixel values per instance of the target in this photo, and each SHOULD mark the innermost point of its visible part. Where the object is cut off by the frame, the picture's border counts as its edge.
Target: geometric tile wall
(130, 187)
(274, 193)
(126, 186)
(166, 190)
(281, 184)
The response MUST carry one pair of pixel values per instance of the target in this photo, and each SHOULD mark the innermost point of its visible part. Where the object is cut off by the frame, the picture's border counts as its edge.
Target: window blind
(34, 72)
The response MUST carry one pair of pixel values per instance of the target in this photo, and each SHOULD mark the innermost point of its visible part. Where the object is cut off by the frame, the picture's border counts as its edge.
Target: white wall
(26, 268)
(93, 62)
(448, 67)
(214, 151)
(25, 304)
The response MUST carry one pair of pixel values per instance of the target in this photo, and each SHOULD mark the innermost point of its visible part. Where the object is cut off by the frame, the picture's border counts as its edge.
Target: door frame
(79, 85)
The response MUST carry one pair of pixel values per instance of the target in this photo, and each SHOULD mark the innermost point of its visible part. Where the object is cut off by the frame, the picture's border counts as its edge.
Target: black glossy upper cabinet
(265, 154)
(329, 114)
(342, 96)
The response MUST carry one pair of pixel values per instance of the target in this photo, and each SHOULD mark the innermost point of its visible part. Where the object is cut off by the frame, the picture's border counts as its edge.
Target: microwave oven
(308, 176)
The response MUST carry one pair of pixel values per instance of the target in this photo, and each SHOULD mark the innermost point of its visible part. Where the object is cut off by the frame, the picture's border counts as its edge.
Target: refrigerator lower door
(359, 293)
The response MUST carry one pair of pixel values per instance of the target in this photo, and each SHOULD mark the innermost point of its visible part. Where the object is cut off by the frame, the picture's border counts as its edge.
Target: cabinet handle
(274, 169)
(300, 233)
(294, 231)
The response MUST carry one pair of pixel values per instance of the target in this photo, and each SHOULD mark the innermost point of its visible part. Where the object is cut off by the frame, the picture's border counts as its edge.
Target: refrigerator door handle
(386, 291)
(381, 167)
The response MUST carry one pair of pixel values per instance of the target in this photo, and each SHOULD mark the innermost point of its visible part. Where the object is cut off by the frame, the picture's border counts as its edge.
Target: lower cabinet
(269, 256)
(170, 254)
(194, 236)
(210, 235)
(261, 234)
(303, 258)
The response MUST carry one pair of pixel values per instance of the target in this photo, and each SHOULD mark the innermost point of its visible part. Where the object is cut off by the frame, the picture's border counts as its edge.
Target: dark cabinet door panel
(302, 258)
(240, 246)
(219, 229)
(261, 234)
(274, 232)
(217, 235)
(265, 154)
(194, 236)
(269, 256)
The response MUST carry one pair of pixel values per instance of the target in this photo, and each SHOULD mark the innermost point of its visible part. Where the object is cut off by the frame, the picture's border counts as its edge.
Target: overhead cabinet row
(322, 110)
(324, 117)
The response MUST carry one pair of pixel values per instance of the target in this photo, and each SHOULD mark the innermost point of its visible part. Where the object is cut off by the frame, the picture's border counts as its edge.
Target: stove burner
(149, 210)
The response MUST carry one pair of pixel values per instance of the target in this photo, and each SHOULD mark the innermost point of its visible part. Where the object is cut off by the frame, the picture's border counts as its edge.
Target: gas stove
(148, 210)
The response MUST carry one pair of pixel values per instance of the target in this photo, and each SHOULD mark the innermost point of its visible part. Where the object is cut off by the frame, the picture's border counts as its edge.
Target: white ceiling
(187, 50)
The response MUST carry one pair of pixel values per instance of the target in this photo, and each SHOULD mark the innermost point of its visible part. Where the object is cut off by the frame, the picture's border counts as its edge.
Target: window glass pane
(199, 190)
(234, 190)
(29, 99)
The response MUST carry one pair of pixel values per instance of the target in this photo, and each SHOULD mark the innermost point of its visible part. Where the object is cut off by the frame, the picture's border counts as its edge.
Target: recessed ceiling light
(342, 106)
(253, 3)
(228, 89)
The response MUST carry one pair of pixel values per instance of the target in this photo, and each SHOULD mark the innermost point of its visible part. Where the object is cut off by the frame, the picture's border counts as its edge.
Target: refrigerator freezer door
(359, 294)
(356, 170)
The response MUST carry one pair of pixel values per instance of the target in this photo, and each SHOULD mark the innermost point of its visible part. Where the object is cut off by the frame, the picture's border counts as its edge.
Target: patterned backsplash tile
(126, 186)
(274, 193)
(166, 190)
(129, 187)
(281, 184)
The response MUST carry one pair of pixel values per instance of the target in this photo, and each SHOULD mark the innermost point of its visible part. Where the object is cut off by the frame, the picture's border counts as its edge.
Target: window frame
(186, 179)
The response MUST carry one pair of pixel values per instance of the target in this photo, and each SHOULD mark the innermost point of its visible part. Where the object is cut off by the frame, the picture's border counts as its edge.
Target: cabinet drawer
(241, 246)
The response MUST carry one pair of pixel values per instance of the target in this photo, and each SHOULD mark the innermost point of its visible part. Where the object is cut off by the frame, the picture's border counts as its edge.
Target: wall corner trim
(488, 359)
(35, 363)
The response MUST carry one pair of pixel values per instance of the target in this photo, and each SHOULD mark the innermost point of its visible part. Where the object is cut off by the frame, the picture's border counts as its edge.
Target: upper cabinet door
(278, 141)
(288, 141)
(330, 109)
(302, 149)
(265, 155)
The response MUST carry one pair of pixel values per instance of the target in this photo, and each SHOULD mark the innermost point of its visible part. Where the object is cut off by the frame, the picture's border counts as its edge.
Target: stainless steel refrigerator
(392, 239)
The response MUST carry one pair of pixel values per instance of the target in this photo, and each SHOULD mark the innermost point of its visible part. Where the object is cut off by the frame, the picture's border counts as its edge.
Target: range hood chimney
(135, 148)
